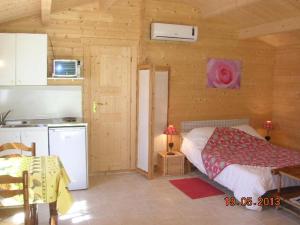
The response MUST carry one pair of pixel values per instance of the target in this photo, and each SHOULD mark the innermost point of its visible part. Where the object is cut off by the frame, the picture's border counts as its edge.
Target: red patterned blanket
(229, 146)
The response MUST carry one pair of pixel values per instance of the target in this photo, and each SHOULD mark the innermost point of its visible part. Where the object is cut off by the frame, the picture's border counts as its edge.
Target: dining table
(48, 182)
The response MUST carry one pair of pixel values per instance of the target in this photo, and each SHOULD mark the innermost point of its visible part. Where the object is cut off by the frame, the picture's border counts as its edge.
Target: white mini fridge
(70, 145)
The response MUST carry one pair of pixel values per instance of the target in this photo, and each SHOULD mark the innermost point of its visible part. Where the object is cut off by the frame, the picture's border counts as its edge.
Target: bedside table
(288, 195)
(171, 164)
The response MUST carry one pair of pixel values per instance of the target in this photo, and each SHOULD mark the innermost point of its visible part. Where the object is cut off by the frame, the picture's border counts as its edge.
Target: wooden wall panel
(190, 99)
(286, 97)
(71, 32)
(66, 29)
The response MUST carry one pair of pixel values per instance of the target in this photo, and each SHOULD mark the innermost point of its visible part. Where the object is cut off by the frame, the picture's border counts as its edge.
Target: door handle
(94, 107)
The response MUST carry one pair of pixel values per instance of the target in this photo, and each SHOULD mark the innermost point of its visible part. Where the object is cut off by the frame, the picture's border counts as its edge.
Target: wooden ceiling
(15, 9)
(276, 22)
(282, 39)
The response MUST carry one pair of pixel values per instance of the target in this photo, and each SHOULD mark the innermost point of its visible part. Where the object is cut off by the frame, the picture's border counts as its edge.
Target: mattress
(242, 180)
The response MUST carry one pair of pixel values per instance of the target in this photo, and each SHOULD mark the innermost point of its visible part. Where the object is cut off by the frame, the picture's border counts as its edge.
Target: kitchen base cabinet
(27, 135)
(9, 135)
(39, 135)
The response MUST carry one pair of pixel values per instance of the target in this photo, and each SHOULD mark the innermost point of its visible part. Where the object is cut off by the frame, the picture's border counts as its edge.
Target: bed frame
(186, 126)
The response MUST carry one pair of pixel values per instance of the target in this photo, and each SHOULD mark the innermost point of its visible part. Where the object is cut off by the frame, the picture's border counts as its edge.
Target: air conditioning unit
(173, 32)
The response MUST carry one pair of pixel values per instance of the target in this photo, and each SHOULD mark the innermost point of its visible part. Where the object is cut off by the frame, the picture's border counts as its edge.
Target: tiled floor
(130, 199)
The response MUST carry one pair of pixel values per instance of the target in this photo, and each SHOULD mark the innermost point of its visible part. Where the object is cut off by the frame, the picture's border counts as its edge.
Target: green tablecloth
(48, 180)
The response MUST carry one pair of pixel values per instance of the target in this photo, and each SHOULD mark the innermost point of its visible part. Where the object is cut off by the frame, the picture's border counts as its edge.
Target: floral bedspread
(229, 146)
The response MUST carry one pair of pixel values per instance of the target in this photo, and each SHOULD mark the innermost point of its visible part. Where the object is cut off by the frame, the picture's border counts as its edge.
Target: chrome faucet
(3, 117)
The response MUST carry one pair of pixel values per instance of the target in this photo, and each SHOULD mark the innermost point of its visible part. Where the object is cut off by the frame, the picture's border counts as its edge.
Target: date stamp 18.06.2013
(249, 201)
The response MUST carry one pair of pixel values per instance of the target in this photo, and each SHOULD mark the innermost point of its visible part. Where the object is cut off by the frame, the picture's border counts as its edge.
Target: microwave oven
(66, 68)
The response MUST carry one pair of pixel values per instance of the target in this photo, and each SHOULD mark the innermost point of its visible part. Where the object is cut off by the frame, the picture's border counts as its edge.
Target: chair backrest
(7, 180)
(16, 146)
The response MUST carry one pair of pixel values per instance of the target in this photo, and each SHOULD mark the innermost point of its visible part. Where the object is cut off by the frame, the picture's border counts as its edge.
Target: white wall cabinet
(7, 59)
(153, 88)
(31, 59)
(25, 59)
(27, 135)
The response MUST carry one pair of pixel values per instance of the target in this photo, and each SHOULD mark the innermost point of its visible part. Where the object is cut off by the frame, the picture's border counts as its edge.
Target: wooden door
(110, 93)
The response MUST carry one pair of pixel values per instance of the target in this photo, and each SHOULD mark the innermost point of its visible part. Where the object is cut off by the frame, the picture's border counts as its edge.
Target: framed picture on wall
(222, 73)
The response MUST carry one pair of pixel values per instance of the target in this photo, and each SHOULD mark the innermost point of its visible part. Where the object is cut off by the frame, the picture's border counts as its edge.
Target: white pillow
(201, 131)
(249, 130)
(199, 136)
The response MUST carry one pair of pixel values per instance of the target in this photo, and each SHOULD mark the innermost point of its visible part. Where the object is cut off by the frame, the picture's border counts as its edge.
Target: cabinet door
(143, 145)
(160, 111)
(7, 59)
(31, 58)
(39, 135)
(9, 135)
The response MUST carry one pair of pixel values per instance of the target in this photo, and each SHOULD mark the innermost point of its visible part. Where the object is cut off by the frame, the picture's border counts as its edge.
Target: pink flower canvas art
(223, 73)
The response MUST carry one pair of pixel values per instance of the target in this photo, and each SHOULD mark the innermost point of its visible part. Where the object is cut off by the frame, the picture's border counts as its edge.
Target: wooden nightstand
(171, 164)
(287, 194)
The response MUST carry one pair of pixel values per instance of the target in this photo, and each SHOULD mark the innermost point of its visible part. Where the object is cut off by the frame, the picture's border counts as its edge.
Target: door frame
(88, 43)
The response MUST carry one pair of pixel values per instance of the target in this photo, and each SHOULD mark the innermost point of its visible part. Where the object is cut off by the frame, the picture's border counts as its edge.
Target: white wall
(41, 102)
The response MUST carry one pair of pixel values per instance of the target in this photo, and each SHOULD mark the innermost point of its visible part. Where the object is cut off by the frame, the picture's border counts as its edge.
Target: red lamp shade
(268, 125)
(170, 130)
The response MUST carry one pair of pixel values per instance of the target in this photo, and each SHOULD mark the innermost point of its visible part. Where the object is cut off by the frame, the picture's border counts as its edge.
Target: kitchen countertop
(56, 122)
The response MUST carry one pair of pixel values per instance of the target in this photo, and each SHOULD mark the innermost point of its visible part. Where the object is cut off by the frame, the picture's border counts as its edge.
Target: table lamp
(268, 125)
(170, 130)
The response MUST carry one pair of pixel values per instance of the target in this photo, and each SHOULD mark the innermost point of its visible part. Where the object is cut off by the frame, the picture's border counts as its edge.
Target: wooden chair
(17, 146)
(22, 147)
(7, 180)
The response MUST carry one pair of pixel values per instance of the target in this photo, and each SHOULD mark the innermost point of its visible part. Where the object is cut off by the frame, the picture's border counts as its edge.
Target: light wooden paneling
(46, 6)
(59, 5)
(282, 39)
(215, 8)
(128, 23)
(66, 29)
(250, 18)
(286, 97)
(76, 29)
(65, 81)
(16, 9)
(285, 25)
(256, 13)
(104, 5)
(190, 99)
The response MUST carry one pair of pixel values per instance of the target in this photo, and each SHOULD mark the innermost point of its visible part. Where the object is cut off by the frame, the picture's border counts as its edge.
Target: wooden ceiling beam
(285, 25)
(46, 6)
(213, 8)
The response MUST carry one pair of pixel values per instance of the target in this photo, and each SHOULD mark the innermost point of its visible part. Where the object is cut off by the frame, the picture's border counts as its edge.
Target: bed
(242, 180)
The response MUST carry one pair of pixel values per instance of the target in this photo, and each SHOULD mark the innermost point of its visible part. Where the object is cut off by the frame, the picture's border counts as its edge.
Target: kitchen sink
(16, 122)
(20, 123)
